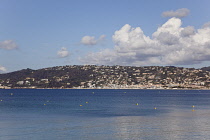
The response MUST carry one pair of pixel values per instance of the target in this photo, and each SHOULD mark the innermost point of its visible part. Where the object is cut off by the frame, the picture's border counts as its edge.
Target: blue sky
(44, 33)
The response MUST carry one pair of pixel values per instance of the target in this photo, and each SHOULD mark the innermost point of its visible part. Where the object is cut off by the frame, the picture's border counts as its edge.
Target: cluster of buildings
(151, 77)
(108, 77)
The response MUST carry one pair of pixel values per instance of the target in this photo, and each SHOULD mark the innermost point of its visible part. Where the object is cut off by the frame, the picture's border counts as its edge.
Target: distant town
(108, 77)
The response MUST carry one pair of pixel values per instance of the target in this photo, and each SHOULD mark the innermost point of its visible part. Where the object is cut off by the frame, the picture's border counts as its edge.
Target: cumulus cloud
(170, 44)
(183, 12)
(91, 40)
(206, 25)
(63, 52)
(2, 69)
(187, 31)
(8, 45)
(88, 40)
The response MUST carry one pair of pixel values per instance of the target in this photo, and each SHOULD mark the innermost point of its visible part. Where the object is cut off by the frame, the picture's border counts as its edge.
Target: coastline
(114, 88)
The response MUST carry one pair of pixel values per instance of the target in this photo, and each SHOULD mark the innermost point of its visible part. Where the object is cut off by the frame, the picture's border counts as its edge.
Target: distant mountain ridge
(92, 76)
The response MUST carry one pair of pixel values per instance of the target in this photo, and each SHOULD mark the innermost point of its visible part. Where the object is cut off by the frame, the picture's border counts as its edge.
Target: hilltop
(92, 76)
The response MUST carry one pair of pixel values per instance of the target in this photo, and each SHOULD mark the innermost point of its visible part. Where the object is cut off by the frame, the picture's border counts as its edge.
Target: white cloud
(188, 31)
(88, 40)
(2, 69)
(206, 25)
(171, 44)
(8, 45)
(178, 13)
(101, 38)
(91, 40)
(63, 52)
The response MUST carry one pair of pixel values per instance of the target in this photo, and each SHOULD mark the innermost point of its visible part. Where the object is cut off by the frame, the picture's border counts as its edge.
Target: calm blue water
(104, 114)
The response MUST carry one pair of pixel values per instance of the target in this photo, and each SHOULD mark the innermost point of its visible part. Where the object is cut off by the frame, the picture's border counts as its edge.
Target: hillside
(92, 76)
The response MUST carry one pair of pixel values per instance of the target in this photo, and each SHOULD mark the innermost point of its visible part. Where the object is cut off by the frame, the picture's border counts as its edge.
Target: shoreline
(117, 88)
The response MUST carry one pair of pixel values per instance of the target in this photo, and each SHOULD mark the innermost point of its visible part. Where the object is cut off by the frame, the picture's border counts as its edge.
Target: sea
(104, 114)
